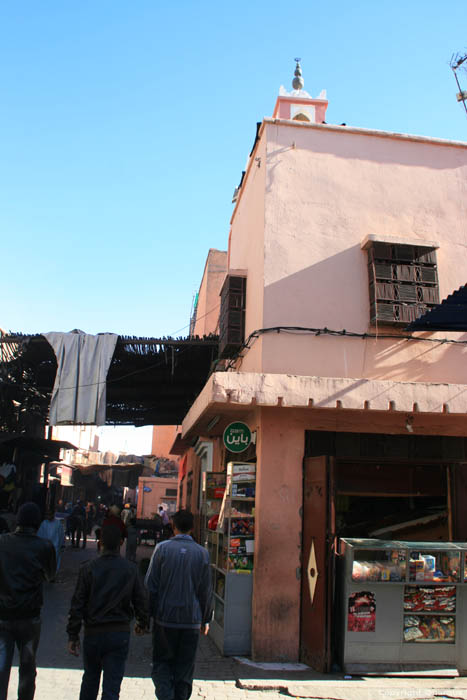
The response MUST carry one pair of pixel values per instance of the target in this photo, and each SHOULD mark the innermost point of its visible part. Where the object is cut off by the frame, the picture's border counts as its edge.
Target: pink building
(340, 236)
(153, 492)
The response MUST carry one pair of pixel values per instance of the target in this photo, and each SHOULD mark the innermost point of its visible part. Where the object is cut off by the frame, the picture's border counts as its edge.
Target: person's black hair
(29, 515)
(183, 520)
(110, 537)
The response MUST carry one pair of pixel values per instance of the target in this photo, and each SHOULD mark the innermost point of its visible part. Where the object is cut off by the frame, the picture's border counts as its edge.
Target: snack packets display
(430, 599)
(429, 628)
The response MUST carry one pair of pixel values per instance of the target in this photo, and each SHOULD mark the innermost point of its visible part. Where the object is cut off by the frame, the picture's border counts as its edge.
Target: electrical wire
(303, 330)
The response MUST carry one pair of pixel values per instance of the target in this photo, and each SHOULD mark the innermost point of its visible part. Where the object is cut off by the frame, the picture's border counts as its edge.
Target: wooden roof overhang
(151, 381)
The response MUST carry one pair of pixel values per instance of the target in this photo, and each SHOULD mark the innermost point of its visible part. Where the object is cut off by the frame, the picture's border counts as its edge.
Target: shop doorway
(381, 499)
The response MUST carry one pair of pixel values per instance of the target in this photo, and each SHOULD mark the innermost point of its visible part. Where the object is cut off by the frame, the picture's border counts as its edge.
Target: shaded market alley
(59, 673)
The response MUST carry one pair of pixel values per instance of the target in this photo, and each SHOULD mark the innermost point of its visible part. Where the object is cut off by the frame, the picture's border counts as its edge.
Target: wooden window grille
(403, 282)
(232, 315)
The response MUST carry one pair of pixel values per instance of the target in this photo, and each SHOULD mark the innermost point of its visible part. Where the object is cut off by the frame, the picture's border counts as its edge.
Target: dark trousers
(25, 634)
(173, 661)
(76, 536)
(104, 652)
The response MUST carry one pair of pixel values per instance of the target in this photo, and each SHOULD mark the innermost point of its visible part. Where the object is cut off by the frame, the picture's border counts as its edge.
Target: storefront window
(434, 565)
(379, 565)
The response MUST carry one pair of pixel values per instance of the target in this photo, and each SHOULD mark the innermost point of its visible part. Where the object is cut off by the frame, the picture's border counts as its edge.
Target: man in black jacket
(107, 592)
(25, 562)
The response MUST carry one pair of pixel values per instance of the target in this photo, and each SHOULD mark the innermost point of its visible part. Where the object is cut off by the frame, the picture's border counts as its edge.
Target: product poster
(362, 612)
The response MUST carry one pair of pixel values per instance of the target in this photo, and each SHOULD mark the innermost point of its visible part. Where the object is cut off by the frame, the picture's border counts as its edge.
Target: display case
(231, 547)
(400, 603)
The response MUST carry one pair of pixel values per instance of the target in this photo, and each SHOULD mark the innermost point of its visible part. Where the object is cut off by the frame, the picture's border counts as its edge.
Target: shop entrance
(379, 497)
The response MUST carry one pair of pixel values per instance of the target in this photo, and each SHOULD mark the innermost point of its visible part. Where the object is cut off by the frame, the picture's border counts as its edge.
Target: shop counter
(402, 605)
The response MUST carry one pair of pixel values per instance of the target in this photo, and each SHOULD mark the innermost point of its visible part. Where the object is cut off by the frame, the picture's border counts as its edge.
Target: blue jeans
(25, 634)
(107, 652)
(173, 661)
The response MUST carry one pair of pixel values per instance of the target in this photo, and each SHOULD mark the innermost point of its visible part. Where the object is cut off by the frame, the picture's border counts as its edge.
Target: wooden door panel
(315, 602)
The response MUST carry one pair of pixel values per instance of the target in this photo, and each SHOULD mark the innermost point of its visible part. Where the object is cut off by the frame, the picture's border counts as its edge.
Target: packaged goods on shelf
(237, 561)
(243, 491)
(430, 599)
(241, 468)
(426, 628)
(242, 511)
(239, 526)
(438, 567)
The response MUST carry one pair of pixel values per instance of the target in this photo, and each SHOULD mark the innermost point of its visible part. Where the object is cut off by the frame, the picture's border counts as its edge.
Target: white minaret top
(298, 84)
(298, 104)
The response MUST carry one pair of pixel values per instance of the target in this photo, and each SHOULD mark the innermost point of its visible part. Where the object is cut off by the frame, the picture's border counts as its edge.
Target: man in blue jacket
(180, 587)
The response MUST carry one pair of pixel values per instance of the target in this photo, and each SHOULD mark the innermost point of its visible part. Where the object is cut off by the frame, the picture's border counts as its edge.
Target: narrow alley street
(216, 677)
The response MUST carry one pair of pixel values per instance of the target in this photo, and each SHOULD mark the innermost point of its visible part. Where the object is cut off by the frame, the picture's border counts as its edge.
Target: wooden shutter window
(403, 282)
(232, 315)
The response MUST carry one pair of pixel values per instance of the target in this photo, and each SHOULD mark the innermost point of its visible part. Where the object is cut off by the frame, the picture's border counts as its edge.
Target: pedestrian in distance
(114, 518)
(180, 588)
(108, 593)
(77, 524)
(132, 540)
(52, 529)
(167, 530)
(26, 561)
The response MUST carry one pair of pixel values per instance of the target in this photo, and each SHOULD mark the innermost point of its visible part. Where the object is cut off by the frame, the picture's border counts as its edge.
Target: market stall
(402, 605)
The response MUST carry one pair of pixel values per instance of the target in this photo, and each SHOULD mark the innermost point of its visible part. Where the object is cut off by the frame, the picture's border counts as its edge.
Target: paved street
(216, 677)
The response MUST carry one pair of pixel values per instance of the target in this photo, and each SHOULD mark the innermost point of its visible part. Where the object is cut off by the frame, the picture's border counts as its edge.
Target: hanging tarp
(79, 394)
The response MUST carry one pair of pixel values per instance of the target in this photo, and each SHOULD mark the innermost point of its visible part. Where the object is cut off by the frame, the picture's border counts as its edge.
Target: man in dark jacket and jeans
(26, 561)
(180, 587)
(108, 589)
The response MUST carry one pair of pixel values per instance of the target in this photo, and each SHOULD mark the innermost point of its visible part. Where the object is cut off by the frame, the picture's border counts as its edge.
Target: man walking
(179, 583)
(108, 591)
(26, 561)
(52, 529)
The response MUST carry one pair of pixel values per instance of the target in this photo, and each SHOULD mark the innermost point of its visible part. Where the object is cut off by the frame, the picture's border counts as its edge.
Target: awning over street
(450, 315)
(151, 381)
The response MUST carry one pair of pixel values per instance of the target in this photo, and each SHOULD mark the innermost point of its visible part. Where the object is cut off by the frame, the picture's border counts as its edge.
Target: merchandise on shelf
(429, 628)
(214, 484)
(243, 491)
(242, 526)
(430, 599)
(434, 566)
(381, 566)
(237, 561)
(220, 585)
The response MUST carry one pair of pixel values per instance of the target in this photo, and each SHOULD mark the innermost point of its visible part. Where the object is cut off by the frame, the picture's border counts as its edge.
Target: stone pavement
(216, 677)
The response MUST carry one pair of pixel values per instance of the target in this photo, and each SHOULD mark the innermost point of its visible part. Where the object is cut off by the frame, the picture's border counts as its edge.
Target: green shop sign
(237, 437)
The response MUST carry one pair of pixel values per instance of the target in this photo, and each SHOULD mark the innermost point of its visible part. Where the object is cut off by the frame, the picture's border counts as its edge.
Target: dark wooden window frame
(232, 315)
(403, 282)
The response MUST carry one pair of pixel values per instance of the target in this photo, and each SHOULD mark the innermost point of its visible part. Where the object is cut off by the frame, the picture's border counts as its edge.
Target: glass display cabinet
(401, 604)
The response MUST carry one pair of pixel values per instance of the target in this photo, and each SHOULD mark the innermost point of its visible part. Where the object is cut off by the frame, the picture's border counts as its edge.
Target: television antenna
(459, 61)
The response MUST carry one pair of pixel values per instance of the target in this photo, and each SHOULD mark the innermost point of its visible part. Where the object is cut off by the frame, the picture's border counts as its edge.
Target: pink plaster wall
(246, 246)
(324, 191)
(207, 316)
(163, 437)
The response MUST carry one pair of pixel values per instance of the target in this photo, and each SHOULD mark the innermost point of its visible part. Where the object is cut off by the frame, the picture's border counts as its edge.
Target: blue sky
(125, 127)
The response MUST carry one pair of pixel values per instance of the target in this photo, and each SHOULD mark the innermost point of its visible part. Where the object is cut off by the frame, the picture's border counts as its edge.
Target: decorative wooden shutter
(403, 282)
(232, 315)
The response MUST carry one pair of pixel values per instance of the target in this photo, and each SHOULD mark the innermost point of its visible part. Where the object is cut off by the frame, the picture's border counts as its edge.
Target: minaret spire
(298, 82)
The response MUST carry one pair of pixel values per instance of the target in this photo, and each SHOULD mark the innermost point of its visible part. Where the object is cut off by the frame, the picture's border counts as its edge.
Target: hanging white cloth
(79, 393)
